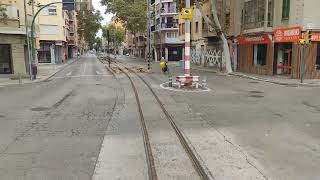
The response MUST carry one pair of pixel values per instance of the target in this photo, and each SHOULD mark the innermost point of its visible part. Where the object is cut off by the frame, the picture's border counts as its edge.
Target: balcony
(173, 41)
(168, 26)
(169, 11)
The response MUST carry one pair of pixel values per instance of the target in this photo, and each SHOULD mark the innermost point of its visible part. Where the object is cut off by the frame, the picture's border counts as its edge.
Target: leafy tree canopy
(132, 13)
(116, 34)
(89, 25)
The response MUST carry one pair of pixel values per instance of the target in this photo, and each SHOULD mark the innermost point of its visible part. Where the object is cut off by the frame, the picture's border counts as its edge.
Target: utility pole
(187, 38)
(149, 35)
(28, 39)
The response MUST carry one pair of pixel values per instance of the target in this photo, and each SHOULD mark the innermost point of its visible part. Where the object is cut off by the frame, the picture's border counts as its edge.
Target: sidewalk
(45, 71)
(280, 80)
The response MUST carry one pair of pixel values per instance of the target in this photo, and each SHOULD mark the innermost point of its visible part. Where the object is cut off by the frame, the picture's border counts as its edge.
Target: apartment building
(270, 33)
(53, 33)
(71, 27)
(165, 30)
(13, 46)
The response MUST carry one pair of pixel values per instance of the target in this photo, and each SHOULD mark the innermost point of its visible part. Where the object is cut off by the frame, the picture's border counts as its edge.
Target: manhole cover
(256, 92)
(40, 109)
(256, 96)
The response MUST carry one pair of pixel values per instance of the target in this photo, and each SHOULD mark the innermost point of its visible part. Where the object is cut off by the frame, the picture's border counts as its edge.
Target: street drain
(256, 96)
(40, 109)
(2, 116)
(254, 82)
(256, 92)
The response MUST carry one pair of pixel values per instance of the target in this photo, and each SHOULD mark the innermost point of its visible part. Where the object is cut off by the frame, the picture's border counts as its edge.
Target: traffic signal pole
(187, 38)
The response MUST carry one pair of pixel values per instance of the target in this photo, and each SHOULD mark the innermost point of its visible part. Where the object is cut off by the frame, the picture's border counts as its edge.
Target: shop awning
(254, 39)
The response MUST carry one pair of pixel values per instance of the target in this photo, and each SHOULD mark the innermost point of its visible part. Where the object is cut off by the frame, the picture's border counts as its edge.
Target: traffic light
(307, 37)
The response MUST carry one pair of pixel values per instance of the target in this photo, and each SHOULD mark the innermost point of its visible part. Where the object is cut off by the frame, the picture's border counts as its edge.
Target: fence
(210, 57)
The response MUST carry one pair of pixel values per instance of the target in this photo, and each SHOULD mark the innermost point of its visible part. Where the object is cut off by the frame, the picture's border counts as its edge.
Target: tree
(98, 43)
(89, 25)
(116, 35)
(133, 14)
(216, 26)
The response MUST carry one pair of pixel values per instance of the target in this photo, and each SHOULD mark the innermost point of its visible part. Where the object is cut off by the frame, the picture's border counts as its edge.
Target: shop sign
(292, 34)
(315, 37)
(254, 39)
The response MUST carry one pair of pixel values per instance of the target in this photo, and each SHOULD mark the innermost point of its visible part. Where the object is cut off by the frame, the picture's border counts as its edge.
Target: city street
(83, 123)
(54, 130)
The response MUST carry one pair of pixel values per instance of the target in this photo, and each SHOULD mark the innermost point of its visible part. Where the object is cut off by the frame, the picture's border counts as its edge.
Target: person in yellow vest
(164, 65)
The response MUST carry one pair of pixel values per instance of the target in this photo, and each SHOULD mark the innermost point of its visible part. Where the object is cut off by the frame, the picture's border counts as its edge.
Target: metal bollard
(170, 81)
(20, 79)
(204, 82)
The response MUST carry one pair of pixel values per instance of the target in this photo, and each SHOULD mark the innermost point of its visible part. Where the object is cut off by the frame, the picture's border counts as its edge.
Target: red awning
(254, 39)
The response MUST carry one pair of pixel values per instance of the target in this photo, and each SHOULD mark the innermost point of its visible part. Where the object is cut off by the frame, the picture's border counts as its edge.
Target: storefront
(255, 54)
(286, 51)
(312, 59)
(5, 59)
(13, 54)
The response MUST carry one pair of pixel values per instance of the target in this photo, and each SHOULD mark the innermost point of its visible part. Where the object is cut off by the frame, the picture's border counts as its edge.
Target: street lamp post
(33, 29)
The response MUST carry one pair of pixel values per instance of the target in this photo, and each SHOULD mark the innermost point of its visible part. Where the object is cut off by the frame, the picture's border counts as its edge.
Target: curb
(62, 68)
(274, 82)
(42, 80)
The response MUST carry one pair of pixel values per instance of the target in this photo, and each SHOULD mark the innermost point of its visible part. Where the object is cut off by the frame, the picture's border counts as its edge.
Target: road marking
(62, 77)
(84, 69)
(99, 73)
(69, 74)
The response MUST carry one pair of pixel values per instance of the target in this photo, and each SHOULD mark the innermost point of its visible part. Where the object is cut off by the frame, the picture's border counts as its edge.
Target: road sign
(68, 5)
(187, 13)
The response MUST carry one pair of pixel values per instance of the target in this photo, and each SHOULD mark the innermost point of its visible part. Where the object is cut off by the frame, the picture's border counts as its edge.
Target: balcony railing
(169, 10)
(169, 25)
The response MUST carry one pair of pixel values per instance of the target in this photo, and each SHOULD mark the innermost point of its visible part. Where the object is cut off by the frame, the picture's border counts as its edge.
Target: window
(318, 57)
(49, 11)
(260, 54)
(52, 11)
(9, 11)
(197, 27)
(285, 9)
(254, 12)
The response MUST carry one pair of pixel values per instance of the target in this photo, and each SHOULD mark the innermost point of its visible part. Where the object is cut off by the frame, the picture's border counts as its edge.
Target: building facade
(270, 34)
(13, 41)
(165, 29)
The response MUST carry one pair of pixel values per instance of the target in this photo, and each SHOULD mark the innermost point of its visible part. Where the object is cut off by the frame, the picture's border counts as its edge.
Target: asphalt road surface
(53, 130)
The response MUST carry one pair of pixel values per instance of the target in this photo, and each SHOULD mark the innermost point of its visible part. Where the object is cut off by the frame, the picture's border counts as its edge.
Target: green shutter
(285, 9)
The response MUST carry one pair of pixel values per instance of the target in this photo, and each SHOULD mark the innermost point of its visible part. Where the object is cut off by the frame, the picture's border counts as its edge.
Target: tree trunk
(215, 25)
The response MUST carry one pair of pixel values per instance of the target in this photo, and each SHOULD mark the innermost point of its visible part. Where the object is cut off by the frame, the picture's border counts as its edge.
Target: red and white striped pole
(187, 37)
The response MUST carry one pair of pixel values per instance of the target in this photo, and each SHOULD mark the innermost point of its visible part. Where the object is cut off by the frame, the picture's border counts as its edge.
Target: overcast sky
(106, 17)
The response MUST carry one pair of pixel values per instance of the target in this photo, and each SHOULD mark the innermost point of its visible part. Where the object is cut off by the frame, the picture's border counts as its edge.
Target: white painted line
(69, 74)
(181, 90)
(84, 69)
(99, 73)
(62, 77)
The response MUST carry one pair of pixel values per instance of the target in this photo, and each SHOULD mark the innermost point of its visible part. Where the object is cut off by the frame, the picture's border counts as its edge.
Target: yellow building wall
(57, 20)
